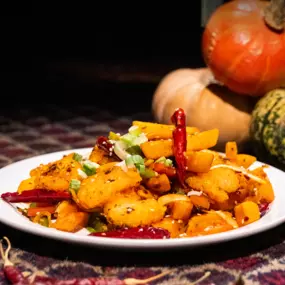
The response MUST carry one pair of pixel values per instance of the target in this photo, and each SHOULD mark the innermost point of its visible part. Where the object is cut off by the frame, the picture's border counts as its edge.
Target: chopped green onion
(97, 223)
(91, 230)
(131, 139)
(141, 168)
(165, 161)
(135, 149)
(142, 138)
(161, 160)
(134, 160)
(81, 173)
(89, 167)
(77, 157)
(120, 150)
(135, 130)
(74, 184)
(113, 136)
(169, 162)
(137, 159)
(128, 139)
(146, 172)
(129, 161)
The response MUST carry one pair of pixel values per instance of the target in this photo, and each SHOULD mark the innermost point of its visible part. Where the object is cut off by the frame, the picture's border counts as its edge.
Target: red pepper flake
(180, 144)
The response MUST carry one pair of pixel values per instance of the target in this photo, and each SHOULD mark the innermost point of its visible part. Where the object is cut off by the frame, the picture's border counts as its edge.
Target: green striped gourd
(267, 128)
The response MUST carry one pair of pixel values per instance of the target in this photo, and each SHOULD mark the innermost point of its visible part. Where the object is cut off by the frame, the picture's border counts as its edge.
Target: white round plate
(11, 176)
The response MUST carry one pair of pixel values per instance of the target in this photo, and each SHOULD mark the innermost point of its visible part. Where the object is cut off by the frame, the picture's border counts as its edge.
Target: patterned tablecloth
(259, 259)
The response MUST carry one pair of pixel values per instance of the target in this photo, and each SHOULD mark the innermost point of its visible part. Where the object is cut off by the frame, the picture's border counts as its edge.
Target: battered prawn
(96, 190)
(122, 211)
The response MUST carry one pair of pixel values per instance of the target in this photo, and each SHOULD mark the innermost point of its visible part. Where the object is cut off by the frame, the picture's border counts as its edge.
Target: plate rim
(138, 244)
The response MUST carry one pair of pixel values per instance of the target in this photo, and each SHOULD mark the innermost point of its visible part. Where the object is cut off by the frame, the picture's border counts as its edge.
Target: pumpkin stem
(274, 14)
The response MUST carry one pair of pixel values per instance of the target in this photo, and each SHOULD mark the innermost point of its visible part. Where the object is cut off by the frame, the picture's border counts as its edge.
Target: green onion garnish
(90, 167)
(165, 161)
(134, 160)
(77, 157)
(131, 139)
(128, 139)
(169, 162)
(113, 136)
(138, 162)
(91, 230)
(146, 172)
(137, 159)
(161, 160)
(135, 149)
(135, 130)
(74, 184)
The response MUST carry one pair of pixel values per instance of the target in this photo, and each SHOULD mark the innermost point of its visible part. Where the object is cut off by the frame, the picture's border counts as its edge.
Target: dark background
(117, 69)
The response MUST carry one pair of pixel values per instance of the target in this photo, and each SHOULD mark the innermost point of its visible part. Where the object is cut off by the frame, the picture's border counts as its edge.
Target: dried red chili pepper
(161, 168)
(15, 276)
(145, 232)
(42, 280)
(12, 273)
(180, 144)
(104, 144)
(36, 195)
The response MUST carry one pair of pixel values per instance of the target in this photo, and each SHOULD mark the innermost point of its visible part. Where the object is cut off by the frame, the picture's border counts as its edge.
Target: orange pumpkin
(245, 49)
(207, 105)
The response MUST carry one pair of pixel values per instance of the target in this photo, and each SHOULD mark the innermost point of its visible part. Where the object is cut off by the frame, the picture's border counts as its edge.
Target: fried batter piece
(216, 183)
(121, 211)
(96, 190)
(53, 176)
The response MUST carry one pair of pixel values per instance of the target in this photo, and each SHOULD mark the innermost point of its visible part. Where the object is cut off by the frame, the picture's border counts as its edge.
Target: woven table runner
(258, 259)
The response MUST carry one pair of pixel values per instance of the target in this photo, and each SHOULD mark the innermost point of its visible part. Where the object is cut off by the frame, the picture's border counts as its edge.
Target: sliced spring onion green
(89, 167)
(129, 161)
(165, 161)
(120, 150)
(146, 172)
(77, 156)
(134, 160)
(97, 223)
(135, 130)
(142, 138)
(131, 139)
(161, 160)
(113, 136)
(128, 139)
(135, 149)
(74, 184)
(137, 159)
(169, 162)
(82, 174)
(91, 230)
